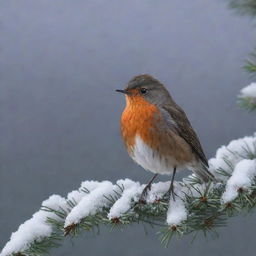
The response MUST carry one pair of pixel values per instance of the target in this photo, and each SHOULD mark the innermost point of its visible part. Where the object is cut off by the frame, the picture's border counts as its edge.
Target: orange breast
(138, 118)
(144, 119)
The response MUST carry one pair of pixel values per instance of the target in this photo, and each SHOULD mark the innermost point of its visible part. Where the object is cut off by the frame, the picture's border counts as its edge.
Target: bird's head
(145, 88)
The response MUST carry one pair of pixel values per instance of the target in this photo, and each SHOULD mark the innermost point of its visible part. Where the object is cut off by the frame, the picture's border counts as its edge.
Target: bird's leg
(146, 189)
(170, 191)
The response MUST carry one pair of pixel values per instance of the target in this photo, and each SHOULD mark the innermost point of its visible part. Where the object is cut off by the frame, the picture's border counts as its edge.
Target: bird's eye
(143, 90)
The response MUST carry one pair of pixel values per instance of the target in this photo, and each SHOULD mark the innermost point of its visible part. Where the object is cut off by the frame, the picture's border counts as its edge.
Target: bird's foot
(144, 194)
(170, 193)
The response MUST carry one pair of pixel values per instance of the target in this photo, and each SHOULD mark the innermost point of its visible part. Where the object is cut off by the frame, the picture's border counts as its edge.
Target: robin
(157, 133)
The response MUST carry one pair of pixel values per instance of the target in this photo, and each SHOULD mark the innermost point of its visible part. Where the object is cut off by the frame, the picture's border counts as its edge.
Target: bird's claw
(144, 194)
(170, 193)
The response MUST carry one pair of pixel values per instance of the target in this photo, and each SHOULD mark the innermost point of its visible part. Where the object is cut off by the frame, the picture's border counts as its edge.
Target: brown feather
(184, 129)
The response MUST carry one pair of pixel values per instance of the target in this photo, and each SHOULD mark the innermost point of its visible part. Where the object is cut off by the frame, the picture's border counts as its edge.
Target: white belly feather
(150, 160)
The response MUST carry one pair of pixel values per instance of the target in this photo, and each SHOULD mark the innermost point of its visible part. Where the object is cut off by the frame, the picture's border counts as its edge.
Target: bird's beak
(123, 91)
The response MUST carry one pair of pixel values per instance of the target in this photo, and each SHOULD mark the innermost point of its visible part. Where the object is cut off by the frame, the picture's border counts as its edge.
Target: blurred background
(59, 115)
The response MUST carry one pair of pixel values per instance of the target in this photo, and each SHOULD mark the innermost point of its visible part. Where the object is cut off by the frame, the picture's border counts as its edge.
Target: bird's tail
(201, 170)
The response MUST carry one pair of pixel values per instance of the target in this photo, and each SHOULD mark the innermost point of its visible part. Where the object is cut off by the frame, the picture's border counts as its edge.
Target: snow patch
(131, 193)
(91, 203)
(177, 211)
(157, 191)
(242, 177)
(249, 91)
(34, 229)
(233, 153)
(85, 188)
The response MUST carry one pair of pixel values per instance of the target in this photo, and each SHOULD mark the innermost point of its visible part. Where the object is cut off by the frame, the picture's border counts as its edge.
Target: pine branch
(244, 7)
(250, 65)
(198, 208)
(247, 103)
(247, 98)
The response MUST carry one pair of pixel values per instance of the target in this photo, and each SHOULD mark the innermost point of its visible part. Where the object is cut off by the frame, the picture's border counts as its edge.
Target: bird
(157, 133)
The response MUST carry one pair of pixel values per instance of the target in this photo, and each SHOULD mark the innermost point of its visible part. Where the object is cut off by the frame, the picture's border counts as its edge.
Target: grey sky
(60, 64)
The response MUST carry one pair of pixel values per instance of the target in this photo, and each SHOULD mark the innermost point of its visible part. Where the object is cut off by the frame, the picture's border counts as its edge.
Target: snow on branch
(247, 97)
(197, 206)
(130, 192)
(249, 91)
(242, 178)
(36, 228)
(177, 211)
(92, 202)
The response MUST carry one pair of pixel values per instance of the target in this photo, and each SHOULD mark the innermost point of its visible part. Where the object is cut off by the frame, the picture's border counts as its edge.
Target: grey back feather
(184, 129)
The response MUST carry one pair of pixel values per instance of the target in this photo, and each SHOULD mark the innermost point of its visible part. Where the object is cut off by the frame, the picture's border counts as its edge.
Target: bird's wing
(178, 120)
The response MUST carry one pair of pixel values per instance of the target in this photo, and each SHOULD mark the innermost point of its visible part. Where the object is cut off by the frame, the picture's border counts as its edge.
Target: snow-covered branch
(198, 207)
(247, 97)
